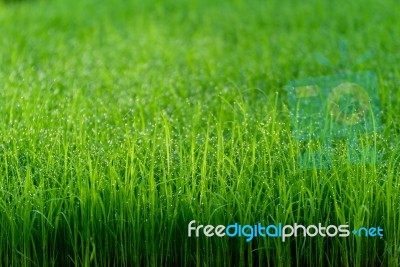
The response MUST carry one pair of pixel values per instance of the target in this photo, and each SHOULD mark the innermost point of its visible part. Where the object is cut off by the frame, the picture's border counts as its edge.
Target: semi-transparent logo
(342, 106)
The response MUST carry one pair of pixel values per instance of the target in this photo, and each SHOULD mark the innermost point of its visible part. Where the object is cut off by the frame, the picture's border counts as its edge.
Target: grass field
(122, 121)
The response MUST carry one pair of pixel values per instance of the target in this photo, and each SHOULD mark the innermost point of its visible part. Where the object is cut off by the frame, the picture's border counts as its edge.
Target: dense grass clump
(122, 121)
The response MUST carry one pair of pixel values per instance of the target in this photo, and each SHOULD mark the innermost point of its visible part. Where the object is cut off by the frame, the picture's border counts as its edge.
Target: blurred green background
(121, 121)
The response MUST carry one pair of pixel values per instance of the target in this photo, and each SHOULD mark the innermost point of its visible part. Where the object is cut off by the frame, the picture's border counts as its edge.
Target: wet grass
(123, 121)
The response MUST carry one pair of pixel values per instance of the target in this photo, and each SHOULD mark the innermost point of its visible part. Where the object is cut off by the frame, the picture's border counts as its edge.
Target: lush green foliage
(122, 121)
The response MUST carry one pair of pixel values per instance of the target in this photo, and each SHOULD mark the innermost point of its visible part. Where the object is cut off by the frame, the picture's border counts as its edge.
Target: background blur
(121, 121)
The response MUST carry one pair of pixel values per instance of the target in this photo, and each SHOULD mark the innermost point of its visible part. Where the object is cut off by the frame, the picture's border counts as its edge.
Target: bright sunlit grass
(122, 121)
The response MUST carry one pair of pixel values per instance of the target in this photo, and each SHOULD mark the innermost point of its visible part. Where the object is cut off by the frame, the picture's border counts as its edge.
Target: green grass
(122, 121)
